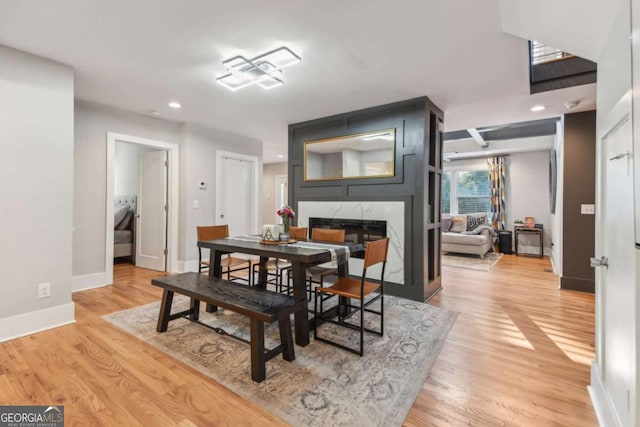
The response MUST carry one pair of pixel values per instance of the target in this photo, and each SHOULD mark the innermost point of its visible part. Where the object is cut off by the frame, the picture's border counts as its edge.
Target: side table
(537, 229)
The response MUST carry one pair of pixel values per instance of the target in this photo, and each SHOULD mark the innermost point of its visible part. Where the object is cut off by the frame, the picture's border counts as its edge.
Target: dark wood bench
(260, 305)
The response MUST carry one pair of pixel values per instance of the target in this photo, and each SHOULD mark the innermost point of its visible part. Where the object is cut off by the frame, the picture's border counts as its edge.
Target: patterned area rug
(472, 262)
(324, 385)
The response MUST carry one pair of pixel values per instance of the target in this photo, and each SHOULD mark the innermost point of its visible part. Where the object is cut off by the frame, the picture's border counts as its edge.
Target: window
(466, 192)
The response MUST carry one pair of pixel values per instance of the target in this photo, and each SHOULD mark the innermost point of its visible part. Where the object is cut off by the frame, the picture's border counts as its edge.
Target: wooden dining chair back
(230, 264)
(347, 289)
(328, 235)
(298, 233)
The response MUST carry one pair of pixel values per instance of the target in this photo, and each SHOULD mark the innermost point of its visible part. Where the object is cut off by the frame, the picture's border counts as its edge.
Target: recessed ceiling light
(175, 105)
(281, 156)
(155, 113)
(537, 108)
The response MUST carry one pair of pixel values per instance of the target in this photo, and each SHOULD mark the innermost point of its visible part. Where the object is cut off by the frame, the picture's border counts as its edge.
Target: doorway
(171, 194)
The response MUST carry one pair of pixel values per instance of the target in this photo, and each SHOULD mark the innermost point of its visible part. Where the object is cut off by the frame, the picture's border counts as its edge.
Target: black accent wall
(418, 175)
(578, 231)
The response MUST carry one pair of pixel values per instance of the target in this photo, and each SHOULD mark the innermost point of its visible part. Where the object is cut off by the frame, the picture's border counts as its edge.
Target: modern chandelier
(264, 70)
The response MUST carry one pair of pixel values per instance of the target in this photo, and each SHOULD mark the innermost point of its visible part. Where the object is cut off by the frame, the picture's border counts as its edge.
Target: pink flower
(286, 212)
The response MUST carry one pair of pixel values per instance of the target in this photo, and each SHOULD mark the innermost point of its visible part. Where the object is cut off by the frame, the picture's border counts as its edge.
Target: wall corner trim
(36, 321)
(599, 399)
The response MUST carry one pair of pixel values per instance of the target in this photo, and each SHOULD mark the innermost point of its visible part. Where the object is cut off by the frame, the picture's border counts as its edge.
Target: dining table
(301, 255)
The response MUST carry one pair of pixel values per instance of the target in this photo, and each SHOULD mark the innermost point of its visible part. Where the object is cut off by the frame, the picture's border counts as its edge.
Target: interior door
(151, 230)
(234, 203)
(616, 296)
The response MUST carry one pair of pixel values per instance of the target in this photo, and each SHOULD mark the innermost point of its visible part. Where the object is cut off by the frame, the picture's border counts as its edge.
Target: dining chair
(276, 267)
(317, 273)
(229, 263)
(347, 288)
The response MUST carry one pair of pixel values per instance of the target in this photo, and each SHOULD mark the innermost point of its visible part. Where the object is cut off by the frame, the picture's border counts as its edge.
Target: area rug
(323, 385)
(472, 262)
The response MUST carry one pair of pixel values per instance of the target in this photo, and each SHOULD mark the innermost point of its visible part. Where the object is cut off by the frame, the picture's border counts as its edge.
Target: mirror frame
(338, 138)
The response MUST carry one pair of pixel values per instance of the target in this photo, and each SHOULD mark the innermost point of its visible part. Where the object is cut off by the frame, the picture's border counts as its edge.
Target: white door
(151, 230)
(235, 204)
(282, 195)
(616, 295)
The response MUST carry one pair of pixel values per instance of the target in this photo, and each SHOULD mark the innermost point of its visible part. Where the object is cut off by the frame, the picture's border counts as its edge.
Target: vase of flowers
(287, 214)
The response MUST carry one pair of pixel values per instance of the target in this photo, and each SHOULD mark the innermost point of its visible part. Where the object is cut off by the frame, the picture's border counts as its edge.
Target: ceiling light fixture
(281, 156)
(155, 113)
(537, 108)
(175, 105)
(264, 70)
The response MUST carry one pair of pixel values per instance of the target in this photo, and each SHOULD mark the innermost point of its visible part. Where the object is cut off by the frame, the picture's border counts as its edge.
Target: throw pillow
(119, 213)
(446, 223)
(474, 221)
(459, 224)
(125, 224)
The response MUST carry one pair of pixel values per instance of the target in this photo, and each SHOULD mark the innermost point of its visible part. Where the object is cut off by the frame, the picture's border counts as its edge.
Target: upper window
(466, 192)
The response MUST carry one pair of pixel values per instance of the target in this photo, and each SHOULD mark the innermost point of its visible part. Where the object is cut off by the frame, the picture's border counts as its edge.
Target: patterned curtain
(497, 175)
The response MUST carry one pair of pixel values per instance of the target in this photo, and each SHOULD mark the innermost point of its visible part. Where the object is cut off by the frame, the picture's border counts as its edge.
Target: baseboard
(36, 321)
(601, 405)
(577, 284)
(184, 266)
(89, 281)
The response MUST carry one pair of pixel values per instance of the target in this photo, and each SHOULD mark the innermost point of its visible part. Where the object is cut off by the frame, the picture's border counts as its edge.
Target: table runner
(339, 253)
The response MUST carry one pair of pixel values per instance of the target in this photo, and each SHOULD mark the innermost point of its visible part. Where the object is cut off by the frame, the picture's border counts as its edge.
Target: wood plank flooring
(518, 355)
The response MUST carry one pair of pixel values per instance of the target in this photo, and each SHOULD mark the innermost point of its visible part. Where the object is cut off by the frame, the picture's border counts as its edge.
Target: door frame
(255, 163)
(172, 197)
(278, 178)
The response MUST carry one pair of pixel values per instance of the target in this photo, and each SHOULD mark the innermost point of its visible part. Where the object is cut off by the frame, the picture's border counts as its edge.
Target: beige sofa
(475, 244)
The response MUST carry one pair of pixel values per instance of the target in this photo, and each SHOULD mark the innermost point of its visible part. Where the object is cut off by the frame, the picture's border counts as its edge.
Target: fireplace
(356, 230)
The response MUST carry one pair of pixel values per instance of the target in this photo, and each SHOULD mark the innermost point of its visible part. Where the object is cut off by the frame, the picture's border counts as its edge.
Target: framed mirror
(363, 155)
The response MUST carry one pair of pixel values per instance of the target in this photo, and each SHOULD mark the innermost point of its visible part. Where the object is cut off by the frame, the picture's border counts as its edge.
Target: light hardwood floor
(518, 355)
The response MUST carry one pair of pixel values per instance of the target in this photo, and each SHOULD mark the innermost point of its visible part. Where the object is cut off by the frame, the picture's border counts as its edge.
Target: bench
(260, 305)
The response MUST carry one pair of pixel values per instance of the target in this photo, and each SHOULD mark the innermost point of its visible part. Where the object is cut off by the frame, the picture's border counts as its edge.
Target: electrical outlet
(588, 209)
(44, 290)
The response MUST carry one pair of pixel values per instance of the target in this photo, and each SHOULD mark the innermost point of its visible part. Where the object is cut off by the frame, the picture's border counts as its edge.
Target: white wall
(527, 192)
(126, 167)
(351, 163)
(36, 187)
(198, 163)
(269, 196)
(92, 122)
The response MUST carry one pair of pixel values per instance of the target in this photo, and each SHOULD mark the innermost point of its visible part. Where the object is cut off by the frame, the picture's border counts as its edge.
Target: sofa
(467, 234)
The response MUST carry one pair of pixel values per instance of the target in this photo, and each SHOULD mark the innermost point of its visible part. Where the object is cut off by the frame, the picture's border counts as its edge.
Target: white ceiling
(139, 55)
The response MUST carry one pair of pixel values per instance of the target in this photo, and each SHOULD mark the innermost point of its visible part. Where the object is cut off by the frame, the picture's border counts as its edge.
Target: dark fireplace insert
(356, 230)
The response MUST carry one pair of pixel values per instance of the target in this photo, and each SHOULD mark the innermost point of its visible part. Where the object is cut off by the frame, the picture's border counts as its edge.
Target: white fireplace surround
(392, 212)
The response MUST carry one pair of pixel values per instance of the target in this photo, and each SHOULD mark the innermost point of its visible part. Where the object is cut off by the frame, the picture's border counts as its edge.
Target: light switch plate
(196, 204)
(588, 209)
